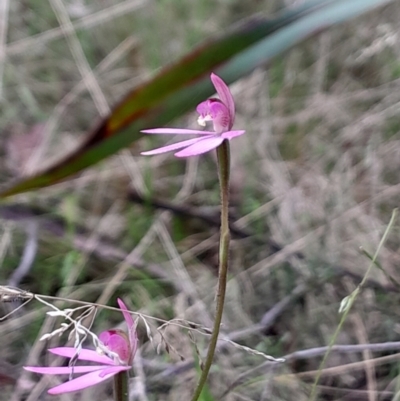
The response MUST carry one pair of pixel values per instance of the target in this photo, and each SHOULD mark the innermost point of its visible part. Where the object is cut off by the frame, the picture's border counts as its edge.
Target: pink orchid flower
(220, 111)
(122, 346)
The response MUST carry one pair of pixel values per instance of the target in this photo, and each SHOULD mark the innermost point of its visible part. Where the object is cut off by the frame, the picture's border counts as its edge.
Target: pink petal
(224, 94)
(175, 146)
(87, 380)
(57, 370)
(131, 327)
(113, 370)
(202, 146)
(84, 355)
(217, 112)
(232, 134)
(117, 341)
(125, 311)
(178, 131)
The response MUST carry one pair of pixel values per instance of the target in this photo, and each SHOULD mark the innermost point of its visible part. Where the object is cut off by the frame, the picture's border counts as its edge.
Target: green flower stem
(223, 172)
(348, 302)
(121, 390)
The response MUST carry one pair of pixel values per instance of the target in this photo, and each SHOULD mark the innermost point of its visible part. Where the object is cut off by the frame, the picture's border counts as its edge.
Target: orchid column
(222, 114)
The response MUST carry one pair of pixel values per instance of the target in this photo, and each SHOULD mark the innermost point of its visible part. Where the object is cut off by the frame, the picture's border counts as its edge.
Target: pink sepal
(91, 379)
(174, 146)
(232, 134)
(202, 146)
(133, 338)
(177, 131)
(84, 355)
(225, 95)
(57, 370)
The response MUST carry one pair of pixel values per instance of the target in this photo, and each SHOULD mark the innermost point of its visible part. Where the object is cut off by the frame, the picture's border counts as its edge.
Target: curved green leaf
(181, 86)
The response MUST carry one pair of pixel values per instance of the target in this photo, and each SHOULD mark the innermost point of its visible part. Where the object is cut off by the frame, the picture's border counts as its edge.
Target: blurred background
(314, 182)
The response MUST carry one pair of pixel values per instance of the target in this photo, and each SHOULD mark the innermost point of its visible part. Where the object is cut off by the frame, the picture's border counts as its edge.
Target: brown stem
(223, 171)
(121, 389)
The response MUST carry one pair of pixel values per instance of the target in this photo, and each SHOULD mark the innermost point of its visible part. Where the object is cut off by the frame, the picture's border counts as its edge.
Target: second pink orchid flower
(123, 346)
(222, 114)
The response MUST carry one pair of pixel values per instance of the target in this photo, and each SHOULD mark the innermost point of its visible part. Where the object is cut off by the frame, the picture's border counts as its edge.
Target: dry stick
(370, 371)
(343, 369)
(320, 351)
(29, 254)
(4, 7)
(223, 171)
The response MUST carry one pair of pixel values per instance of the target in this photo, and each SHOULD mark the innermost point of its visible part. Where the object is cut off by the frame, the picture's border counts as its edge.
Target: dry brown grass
(314, 178)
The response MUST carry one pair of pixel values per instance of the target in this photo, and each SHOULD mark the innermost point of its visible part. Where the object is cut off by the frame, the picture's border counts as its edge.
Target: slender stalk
(121, 390)
(223, 172)
(348, 302)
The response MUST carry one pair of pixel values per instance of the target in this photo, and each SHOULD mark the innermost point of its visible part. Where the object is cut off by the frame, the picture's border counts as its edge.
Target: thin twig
(186, 211)
(321, 351)
(4, 7)
(370, 372)
(29, 254)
